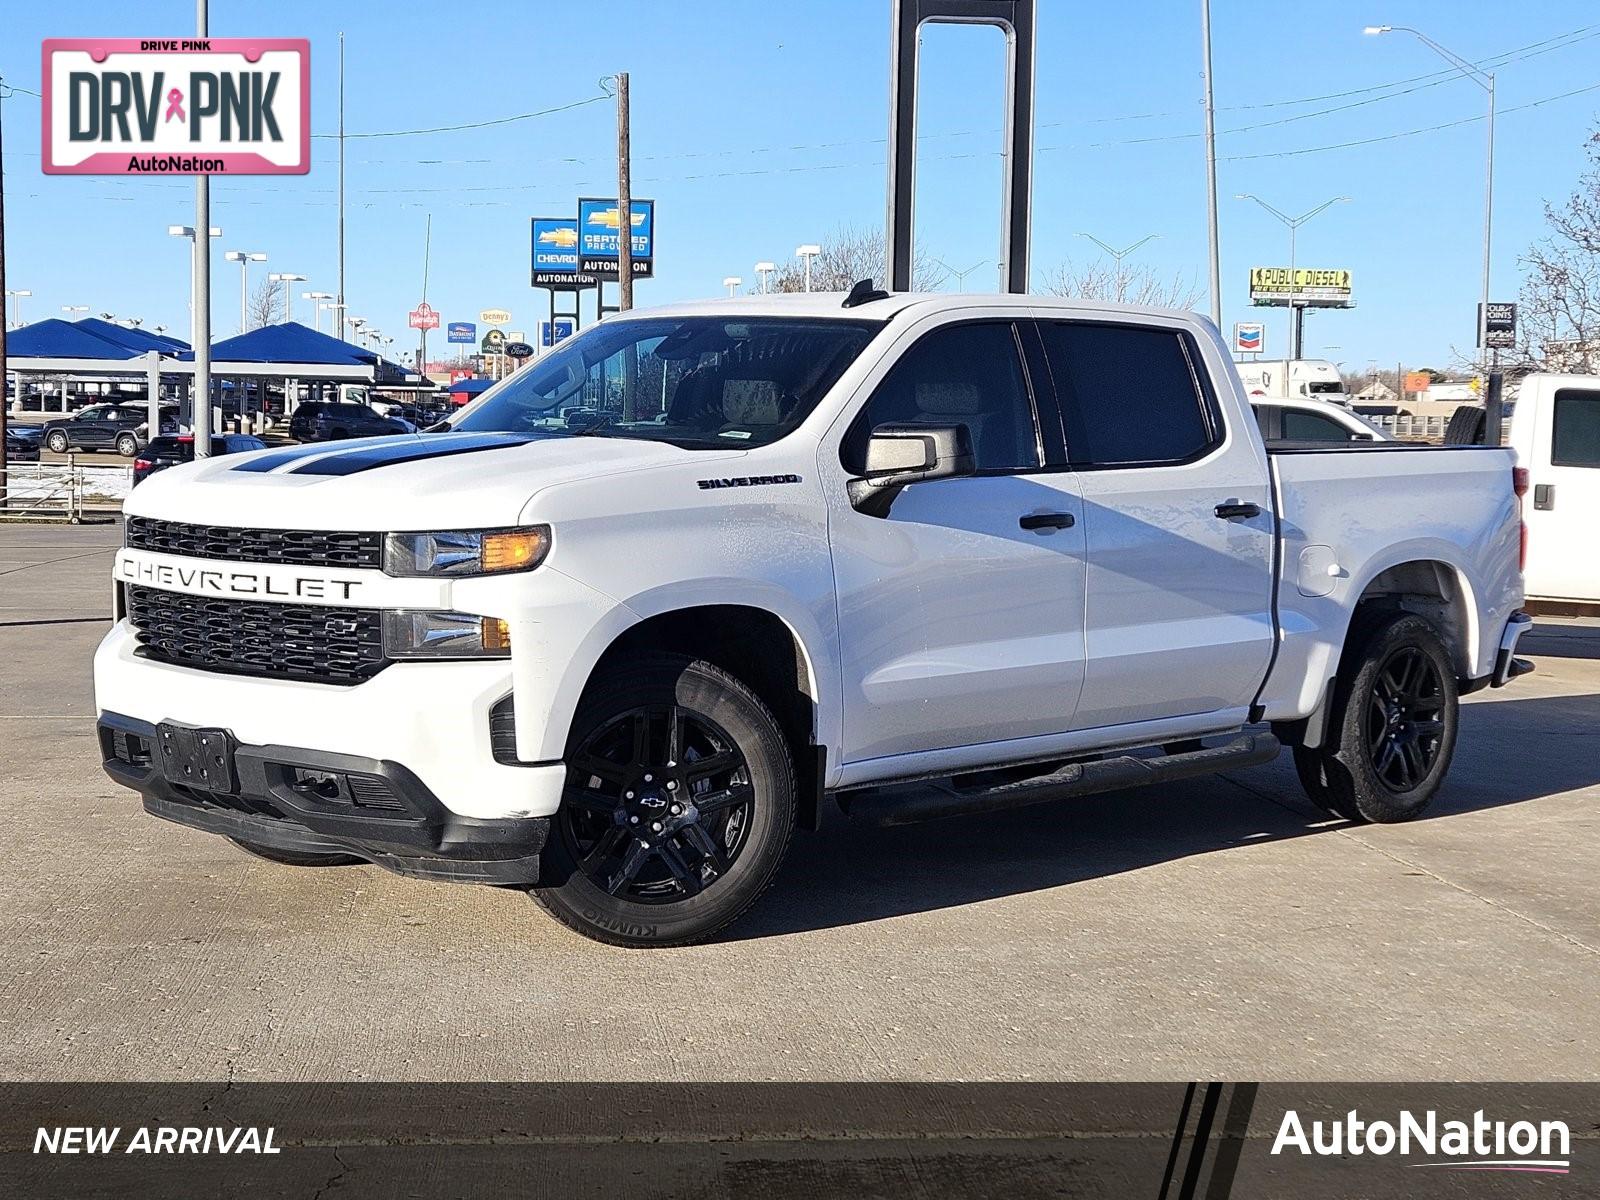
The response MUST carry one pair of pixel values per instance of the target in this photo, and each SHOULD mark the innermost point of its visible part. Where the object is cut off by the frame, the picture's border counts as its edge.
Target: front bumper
(372, 808)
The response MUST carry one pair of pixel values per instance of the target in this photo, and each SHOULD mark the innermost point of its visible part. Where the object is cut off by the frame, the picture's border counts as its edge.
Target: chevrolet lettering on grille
(233, 581)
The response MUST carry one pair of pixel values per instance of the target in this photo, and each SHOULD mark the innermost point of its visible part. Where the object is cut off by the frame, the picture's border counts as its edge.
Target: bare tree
(265, 303)
(851, 254)
(1123, 284)
(1558, 317)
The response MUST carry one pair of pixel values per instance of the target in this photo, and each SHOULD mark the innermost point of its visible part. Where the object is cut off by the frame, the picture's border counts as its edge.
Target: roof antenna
(863, 293)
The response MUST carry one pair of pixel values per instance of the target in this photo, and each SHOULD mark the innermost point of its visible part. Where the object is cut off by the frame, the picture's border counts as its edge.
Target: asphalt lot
(1221, 928)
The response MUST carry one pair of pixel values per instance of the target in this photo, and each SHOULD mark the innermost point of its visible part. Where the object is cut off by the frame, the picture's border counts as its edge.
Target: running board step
(907, 803)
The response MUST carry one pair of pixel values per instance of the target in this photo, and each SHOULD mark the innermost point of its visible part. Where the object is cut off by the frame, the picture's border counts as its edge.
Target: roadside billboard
(555, 254)
(600, 240)
(1311, 287)
(495, 316)
(170, 106)
(461, 331)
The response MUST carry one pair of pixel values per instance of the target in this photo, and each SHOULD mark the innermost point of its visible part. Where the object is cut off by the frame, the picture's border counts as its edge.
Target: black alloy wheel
(1404, 725)
(657, 804)
(678, 807)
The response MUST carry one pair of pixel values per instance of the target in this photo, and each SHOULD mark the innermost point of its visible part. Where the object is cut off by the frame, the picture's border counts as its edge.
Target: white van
(1297, 378)
(1555, 430)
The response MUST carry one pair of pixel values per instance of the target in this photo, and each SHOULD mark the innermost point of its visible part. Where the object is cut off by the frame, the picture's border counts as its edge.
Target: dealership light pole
(1212, 238)
(69, 309)
(286, 279)
(16, 309)
(1296, 330)
(1117, 256)
(199, 335)
(244, 258)
(807, 252)
(317, 306)
(1485, 80)
(765, 270)
(732, 283)
(200, 417)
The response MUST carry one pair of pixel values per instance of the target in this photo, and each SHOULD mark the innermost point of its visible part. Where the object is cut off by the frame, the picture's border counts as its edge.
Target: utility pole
(624, 199)
(1211, 170)
(200, 398)
(4, 377)
(338, 304)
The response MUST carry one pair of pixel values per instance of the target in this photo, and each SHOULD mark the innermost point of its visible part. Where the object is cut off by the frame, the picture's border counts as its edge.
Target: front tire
(292, 858)
(127, 445)
(678, 809)
(1393, 728)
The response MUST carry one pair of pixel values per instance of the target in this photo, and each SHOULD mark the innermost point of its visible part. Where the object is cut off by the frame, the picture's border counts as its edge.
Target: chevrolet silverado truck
(905, 556)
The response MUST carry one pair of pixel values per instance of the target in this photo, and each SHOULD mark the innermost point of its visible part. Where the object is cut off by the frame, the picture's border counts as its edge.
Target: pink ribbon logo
(175, 105)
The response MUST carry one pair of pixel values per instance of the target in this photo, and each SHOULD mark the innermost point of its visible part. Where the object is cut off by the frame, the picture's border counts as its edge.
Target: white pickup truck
(703, 572)
(1555, 430)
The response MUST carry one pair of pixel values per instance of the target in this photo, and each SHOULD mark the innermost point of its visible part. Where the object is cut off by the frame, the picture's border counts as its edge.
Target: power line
(527, 116)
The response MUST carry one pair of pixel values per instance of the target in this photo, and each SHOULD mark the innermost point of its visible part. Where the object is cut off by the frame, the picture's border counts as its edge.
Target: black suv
(119, 427)
(318, 421)
(167, 452)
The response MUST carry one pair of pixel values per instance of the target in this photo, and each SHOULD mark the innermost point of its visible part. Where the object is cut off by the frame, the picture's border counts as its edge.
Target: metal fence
(61, 491)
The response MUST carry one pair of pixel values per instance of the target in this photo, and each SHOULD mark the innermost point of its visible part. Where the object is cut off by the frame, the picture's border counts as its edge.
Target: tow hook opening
(324, 785)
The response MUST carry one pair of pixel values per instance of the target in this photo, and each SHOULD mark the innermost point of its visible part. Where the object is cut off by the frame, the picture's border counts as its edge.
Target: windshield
(1324, 388)
(696, 382)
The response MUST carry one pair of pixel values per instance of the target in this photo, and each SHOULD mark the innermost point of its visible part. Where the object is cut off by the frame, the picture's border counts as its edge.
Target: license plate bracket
(197, 758)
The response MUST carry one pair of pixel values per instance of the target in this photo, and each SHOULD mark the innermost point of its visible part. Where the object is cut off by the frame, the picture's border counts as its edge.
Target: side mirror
(898, 455)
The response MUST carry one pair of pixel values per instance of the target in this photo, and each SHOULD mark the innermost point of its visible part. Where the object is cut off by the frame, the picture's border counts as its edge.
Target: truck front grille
(248, 637)
(294, 547)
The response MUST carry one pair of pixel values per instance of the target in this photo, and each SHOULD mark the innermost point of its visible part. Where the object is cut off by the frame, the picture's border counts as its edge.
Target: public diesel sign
(201, 106)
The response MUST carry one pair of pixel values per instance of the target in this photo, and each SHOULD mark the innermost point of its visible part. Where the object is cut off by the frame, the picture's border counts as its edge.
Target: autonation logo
(1476, 1145)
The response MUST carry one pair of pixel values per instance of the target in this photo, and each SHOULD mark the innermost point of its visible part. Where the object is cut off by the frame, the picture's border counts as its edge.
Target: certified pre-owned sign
(168, 106)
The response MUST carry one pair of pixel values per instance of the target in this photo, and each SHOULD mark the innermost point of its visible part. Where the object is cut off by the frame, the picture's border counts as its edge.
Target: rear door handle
(1232, 510)
(1544, 496)
(1053, 520)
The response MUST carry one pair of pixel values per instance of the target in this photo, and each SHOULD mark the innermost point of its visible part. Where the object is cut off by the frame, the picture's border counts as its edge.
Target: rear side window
(1312, 427)
(1575, 439)
(1128, 394)
(968, 375)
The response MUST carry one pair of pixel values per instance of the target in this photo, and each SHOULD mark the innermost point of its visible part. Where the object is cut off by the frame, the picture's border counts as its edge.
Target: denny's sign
(198, 106)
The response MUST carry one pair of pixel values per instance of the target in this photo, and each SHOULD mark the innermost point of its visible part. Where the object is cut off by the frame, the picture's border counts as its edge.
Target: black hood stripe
(369, 454)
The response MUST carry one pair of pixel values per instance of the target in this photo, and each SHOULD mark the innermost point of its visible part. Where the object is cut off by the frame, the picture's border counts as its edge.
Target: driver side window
(968, 374)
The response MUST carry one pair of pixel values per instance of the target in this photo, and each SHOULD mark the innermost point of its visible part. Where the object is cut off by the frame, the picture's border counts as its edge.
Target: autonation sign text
(204, 106)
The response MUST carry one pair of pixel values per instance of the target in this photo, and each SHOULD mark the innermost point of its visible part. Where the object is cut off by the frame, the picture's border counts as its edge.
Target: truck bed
(1351, 512)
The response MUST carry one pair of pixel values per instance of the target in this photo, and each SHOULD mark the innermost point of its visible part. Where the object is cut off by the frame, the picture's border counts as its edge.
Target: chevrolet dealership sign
(171, 106)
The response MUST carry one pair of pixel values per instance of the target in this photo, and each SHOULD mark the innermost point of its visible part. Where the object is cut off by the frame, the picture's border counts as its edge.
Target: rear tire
(678, 809)
(292, 858)
(127, 445)
(57, 442)
(1392, 731)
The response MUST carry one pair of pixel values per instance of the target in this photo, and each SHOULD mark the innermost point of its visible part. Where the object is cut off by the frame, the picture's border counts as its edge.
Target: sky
(759, 125)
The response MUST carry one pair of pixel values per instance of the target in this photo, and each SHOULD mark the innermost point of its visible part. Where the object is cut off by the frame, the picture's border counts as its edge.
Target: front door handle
(1051, 520)
(1232, 510)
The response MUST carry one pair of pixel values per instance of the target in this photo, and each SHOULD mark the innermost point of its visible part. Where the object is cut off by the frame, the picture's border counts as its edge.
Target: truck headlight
(460, 552)
(433, 634)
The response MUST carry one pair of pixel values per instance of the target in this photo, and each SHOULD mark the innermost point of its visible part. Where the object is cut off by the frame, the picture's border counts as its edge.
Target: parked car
(119, 427)
(166, 452)
(323, 421)
(1555, 430)
(917, 556)
(1312, 421)
(22, 442)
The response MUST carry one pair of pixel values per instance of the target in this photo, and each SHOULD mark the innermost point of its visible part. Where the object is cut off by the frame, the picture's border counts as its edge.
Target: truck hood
(410, 481)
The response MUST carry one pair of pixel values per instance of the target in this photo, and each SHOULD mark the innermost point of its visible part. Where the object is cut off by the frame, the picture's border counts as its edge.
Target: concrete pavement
(1220, 928)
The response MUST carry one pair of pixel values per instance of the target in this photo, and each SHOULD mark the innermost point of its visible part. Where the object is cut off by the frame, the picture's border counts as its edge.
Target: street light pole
(1485, 80)
(200, 398)
(1296, 329)
(1213, 241)
(286, 279)
(961, 275)
(244, 258)
(732, 283)
(765, 270)
(1118, 256)
(16, 309)
(317, 306)
(807, 253)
